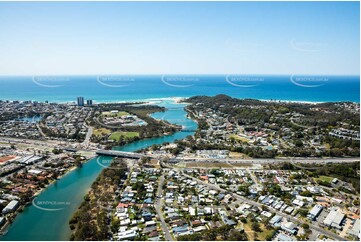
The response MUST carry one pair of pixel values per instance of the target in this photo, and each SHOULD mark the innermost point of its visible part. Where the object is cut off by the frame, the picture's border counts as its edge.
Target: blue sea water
(129, 88)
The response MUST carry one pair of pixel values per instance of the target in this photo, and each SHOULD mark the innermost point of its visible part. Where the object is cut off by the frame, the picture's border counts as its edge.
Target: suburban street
(158, 206)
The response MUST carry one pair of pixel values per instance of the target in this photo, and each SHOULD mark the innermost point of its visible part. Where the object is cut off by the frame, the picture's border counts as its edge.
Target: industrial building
(334, 219)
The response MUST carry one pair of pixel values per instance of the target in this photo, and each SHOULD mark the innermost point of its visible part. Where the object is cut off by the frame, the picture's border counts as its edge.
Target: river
(47, 218)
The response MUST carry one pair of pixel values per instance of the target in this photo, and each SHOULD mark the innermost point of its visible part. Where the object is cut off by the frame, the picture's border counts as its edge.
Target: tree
(144, 160)
(235, 235)
(306, 226)
(256, 227)
(303, 212)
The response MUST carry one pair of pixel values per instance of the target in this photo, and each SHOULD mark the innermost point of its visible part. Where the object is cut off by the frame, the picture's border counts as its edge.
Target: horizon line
(184, 74)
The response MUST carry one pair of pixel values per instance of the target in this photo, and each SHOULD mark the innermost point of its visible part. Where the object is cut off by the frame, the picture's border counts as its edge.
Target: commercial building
(315, 211)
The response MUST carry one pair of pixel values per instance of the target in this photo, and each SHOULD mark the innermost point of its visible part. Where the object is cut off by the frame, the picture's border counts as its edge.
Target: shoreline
(179, 100)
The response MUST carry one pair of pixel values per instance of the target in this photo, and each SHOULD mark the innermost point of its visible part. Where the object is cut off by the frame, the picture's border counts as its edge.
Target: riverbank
(71, 188)
(21, 208)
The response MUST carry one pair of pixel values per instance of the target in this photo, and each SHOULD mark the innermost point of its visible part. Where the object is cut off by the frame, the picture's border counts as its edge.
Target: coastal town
(156, 201)
(251, 178)
(173, 120)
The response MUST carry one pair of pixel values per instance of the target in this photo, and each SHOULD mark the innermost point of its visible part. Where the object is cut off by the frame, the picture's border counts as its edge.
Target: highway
(293, 160)
(297, 160)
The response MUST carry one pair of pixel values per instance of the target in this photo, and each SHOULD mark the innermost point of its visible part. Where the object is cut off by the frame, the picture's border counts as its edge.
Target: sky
(81, 38)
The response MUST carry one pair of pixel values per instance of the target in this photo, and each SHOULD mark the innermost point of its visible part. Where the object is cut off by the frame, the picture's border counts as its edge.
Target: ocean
(113, 88)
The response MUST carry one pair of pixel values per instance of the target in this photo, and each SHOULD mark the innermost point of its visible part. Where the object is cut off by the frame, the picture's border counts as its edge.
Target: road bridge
(123, 154)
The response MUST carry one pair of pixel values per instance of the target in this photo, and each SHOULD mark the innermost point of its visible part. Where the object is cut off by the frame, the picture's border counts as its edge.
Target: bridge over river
(124, 154)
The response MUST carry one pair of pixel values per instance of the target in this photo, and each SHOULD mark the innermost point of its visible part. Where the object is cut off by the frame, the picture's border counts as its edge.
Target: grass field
(238, 155)
(101, 131)
(327, 179)
(241, 165)
(252, 235)
(116, 135)
(240, 138)
(118, 114)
